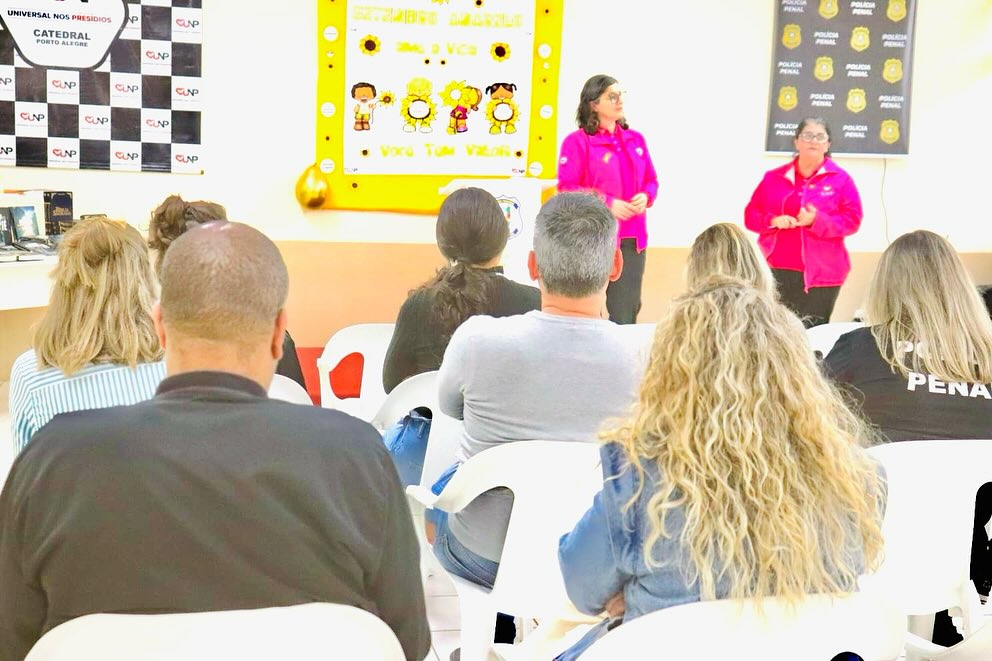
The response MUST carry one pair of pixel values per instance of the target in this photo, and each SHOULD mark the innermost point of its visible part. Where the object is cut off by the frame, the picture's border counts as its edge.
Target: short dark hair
(354, 88)
(806, 121)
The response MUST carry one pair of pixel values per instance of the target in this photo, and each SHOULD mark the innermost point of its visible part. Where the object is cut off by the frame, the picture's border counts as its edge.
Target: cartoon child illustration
(418, 108)
(465, 98)
(365, 94)
(501, 111)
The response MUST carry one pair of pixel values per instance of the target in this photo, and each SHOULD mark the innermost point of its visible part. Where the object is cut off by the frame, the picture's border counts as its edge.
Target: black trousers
(813, 307)
(623, 297)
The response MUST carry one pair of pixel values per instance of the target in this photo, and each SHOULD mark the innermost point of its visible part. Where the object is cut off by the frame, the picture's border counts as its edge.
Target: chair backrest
(418, 390)
(820, 628)
(306, 632)
(929, 520)
(369, 340)
(553, 483)
(284, 388)
(823, 337)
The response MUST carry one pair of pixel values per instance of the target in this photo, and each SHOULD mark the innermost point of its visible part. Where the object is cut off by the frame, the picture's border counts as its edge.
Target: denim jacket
(604, 553)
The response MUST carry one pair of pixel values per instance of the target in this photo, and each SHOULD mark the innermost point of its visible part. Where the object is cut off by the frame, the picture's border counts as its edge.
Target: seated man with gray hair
(555, 374)
(210, 496)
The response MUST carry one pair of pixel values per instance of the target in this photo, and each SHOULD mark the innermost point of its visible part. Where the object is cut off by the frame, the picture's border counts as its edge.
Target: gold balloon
(312, 188)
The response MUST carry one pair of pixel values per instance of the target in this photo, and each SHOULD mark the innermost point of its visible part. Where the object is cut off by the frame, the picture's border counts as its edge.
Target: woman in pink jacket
(802, 211)
(608, 158)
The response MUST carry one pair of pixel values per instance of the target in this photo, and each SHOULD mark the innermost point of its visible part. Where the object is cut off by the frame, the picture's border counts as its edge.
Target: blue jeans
(450, 553)
(407, 444)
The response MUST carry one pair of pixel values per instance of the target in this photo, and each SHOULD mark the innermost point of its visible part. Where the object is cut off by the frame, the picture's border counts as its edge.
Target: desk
(24, 291)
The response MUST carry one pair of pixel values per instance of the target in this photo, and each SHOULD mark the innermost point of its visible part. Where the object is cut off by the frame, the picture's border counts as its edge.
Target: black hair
(585, 116)
(471, 230)
(509, 87)
(357, 85)
(806, 121)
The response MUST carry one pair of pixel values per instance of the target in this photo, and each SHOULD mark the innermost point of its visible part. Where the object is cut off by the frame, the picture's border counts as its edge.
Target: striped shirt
(37, 396)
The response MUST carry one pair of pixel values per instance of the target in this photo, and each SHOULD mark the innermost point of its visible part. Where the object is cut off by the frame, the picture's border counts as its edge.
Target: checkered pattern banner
(139, 110)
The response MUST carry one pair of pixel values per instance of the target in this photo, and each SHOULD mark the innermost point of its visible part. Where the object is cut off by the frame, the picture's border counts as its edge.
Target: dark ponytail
(471, 230)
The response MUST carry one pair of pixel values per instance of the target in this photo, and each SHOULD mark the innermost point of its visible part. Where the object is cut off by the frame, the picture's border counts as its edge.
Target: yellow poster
(412, 94)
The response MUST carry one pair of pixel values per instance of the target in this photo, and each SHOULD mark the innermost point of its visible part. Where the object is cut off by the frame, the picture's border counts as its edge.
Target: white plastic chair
(928, 525)
(369, 340)
(284, 388)
(819, 628)
(823, 337)
(553, 483)
(307, 632)
(418, 390)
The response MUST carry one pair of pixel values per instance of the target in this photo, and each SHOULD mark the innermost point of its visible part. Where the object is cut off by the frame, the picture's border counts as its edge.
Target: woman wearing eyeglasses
(802, 211)
(607, 157)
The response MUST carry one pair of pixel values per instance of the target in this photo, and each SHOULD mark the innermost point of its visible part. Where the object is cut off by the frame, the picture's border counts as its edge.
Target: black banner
(848, 61)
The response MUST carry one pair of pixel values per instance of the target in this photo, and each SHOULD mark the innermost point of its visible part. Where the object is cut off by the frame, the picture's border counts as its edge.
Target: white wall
(706, 137)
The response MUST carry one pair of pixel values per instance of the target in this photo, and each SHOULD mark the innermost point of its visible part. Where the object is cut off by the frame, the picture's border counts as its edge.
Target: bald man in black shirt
(209, 496)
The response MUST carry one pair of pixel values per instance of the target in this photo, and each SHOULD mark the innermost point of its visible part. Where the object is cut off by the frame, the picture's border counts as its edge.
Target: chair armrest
(422, 495)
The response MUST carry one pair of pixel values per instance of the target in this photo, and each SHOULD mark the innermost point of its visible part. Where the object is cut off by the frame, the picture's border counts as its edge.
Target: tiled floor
(443, 616)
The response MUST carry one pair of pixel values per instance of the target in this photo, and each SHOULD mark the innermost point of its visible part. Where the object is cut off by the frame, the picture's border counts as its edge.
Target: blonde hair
(724, 249)
(755, 447)
(922, 297)
(102, 295)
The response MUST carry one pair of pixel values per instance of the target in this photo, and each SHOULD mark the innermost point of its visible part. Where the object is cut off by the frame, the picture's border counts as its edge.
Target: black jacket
(210, 496)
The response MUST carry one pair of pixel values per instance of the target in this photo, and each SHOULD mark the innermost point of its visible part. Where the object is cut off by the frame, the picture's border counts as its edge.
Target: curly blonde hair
(724, 249)
(757, 449)
(922, 297)
(100, 307)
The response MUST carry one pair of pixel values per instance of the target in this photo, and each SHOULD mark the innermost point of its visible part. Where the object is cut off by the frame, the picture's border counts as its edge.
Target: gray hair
(575, 239)
(225, 282)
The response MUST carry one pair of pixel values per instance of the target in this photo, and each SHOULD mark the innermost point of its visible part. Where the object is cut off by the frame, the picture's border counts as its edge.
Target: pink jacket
(613, 165)
(838, 214)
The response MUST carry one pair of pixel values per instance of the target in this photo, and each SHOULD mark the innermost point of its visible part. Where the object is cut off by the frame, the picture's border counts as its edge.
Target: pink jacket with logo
(838, 214)
(614, 165)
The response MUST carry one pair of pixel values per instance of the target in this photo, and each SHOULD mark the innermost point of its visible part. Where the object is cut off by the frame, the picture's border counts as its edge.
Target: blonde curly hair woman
(96, 345)
(739, 472)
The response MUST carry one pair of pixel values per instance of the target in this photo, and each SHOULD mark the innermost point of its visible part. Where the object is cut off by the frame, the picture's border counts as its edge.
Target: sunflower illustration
(387, 99)
(370, 44)
(452, 92)
(500, 51)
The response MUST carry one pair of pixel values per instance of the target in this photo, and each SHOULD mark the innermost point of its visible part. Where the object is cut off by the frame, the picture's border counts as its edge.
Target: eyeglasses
(809, 136)
(615, 97)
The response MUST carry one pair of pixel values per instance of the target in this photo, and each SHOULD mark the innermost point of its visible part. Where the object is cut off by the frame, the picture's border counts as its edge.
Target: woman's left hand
(639, 202)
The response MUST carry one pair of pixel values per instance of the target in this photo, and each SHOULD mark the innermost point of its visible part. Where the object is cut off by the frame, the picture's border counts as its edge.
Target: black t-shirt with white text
(914, 407)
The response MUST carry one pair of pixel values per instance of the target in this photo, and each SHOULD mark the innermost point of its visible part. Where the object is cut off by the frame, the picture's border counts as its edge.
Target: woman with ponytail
(471, 234)
(96, 345)
(172, 219)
